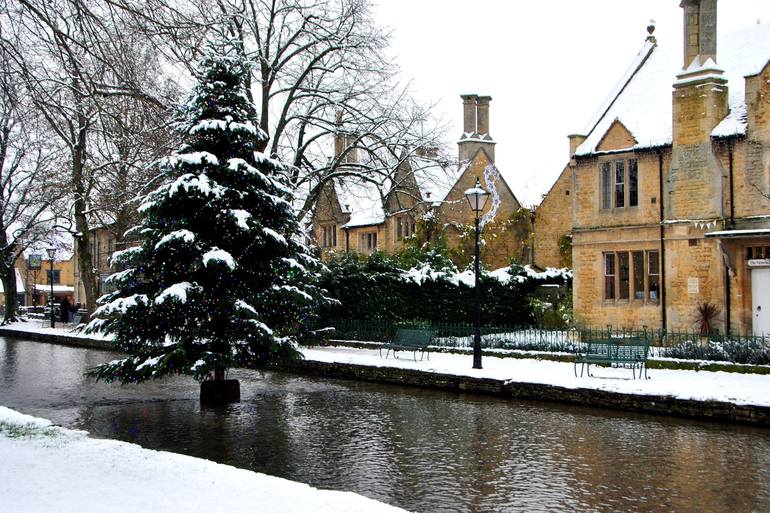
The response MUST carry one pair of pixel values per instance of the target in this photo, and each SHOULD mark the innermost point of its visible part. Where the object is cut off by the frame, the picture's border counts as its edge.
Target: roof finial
(650, 30)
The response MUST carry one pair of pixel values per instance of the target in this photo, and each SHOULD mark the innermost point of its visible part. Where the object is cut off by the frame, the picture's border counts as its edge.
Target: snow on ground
(719, 386)
(46, 468)
(684, 384)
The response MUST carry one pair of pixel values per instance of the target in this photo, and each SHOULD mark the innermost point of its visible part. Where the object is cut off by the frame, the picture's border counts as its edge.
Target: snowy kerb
(44, 468)
(742, 389)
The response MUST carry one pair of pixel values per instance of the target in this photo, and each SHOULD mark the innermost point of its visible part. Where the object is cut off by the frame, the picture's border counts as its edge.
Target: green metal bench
(620, 352)
(409, 340)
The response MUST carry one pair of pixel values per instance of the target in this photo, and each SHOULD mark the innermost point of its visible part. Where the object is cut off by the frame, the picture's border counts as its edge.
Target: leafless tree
(72, 57)
(320, 70)
(28, 180)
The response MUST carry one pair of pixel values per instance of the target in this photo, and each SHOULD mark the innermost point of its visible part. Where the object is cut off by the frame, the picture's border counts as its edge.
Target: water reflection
(422, 450)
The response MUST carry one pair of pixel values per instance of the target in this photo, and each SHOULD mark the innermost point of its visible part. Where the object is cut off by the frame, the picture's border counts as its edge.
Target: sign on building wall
(34, 262)
(759, 262)
(693, 285)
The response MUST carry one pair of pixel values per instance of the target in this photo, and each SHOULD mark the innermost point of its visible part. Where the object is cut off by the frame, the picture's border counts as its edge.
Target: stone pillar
(482, 115)
(469, 113)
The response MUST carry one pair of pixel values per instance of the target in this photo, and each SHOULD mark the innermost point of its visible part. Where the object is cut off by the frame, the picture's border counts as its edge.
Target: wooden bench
(409, 340)
(626, 352)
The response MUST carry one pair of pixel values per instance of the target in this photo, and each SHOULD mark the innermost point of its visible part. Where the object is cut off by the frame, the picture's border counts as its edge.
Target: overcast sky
(547, 65)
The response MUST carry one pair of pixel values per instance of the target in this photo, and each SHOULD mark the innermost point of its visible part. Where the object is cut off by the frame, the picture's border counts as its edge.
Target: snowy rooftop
(363, 198)
(642, 98)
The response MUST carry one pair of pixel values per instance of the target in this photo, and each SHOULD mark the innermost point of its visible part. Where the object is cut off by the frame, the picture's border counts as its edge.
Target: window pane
(334, 235)
(398, 229)
(653, 275)
(606, 185)
(609, 276)
(620, 184)
(633, 184)
(623, 281)
(638, 263)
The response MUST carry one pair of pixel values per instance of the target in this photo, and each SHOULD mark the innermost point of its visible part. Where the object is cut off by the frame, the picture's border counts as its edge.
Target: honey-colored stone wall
(694, 275)
(500, 242)
(590, 307)
(617, 138)
(553, 220)
(588, 211)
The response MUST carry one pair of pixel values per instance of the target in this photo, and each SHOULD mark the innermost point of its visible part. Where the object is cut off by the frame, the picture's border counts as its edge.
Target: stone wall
(665, 405)
(500, 239)
(553, 220)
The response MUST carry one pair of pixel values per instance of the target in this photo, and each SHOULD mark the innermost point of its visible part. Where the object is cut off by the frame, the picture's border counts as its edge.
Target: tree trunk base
(221, 391)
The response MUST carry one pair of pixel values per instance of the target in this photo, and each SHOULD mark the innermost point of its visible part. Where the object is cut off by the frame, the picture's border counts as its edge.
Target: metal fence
(736, 348)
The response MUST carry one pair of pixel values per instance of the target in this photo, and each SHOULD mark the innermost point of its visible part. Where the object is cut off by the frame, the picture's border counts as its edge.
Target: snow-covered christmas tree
(219, 279)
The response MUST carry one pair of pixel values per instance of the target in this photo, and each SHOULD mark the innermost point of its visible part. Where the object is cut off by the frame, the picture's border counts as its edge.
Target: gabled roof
(363, 198)
(642, 98)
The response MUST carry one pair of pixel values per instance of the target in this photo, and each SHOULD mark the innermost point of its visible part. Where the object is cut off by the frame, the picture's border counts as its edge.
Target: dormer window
(619, 184)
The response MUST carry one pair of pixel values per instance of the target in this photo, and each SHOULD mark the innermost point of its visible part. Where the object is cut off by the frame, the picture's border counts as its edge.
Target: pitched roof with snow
(642, 98)
(363, 198)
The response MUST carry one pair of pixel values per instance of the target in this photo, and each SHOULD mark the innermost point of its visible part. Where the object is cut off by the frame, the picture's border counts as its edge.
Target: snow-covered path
(753, 389)
(45, 469)
(736, 388)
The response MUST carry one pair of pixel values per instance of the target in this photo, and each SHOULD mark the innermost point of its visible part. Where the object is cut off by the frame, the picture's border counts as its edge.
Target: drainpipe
(728, 320)
(732, 187)
(662, 244)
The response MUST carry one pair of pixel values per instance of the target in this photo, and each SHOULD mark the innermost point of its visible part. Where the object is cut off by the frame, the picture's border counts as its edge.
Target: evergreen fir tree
(218, 280)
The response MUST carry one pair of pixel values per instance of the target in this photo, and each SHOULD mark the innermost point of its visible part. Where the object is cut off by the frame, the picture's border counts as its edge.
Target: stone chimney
(575, 140)
(469, 114)
(700, 30)
(475, 127)
(699, 103)
(482, 115)
(342, 140)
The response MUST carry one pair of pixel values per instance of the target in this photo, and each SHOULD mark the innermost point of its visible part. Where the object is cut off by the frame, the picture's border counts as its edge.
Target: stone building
(105, 239)
(668, 186)
(362, 214)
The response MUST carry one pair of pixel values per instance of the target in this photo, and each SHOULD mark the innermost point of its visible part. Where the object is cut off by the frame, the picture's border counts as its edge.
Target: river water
(422, 450)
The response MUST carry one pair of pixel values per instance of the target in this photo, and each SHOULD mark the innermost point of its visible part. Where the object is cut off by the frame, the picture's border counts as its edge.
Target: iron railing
(735, 348)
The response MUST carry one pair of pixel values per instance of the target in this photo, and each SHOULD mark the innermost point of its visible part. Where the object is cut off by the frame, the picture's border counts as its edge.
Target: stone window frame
(329, 235)
(405, 227)
(618, 176)
(620, 283)
(367, 242)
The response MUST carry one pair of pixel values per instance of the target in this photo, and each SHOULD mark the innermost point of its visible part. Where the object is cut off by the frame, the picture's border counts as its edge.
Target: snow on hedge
(426, 273)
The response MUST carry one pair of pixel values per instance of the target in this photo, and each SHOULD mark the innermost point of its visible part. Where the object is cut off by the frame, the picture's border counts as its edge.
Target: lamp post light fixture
(51, 254)
(477, 199)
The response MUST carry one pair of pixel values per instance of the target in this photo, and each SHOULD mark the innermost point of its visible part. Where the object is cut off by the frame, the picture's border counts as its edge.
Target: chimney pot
(469, 113)
(482, 114)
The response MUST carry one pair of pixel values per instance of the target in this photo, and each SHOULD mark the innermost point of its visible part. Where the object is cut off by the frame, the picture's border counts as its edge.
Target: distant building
(105, 239)
(667, 188)
(363, 214)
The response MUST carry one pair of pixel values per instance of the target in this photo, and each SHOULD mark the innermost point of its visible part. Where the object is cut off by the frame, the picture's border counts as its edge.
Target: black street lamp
(51, 254)
(477, 198)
